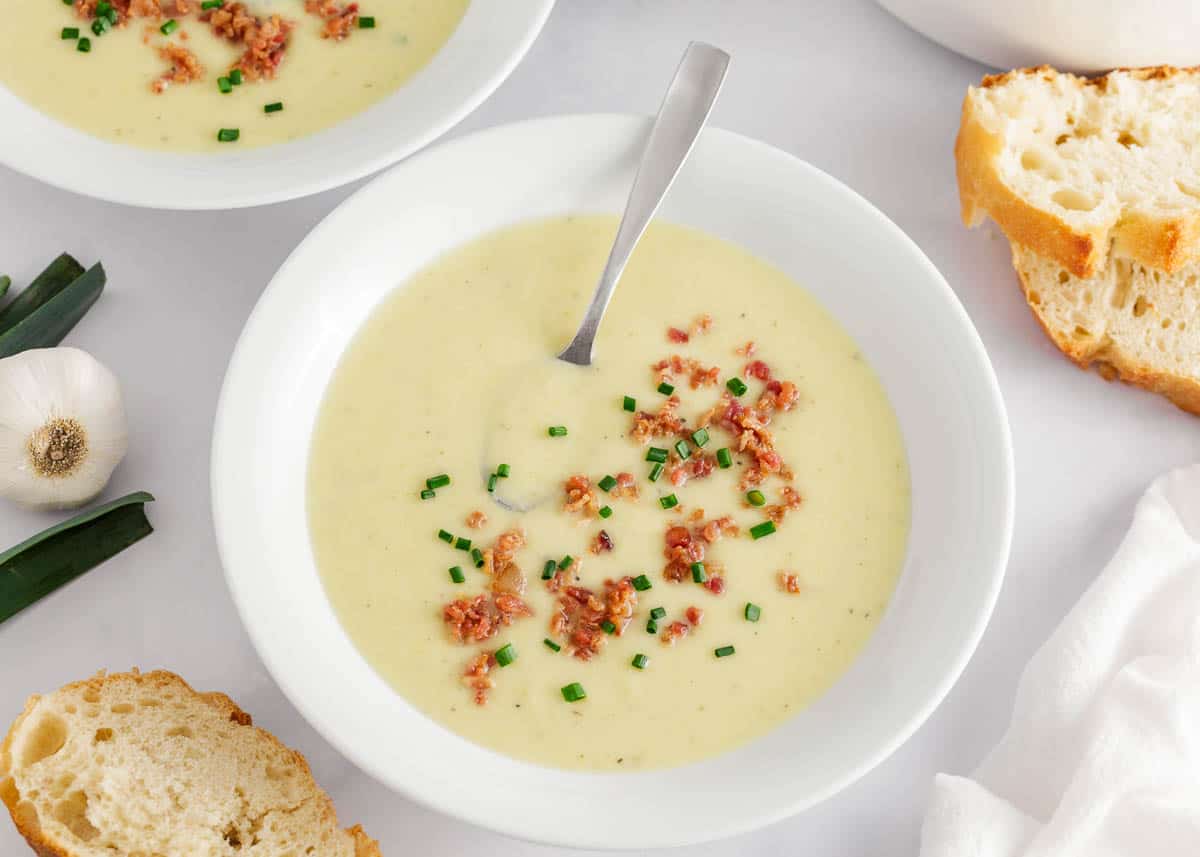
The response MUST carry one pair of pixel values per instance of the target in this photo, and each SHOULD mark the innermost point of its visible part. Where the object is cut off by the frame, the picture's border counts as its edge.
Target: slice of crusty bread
(131, 764)
(1073, 168)
(1131, 322)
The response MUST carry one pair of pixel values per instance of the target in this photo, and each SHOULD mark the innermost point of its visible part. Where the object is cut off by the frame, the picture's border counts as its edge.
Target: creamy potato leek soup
(193, 75)
(638, 564)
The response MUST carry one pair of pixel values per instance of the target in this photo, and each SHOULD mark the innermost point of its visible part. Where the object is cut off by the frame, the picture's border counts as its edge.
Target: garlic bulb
(62, 427)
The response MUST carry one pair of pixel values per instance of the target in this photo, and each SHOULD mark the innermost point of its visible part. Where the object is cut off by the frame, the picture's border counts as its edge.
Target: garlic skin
(62, 427)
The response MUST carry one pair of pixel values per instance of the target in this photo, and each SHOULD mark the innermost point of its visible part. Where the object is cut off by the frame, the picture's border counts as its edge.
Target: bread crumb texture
(1081, 170)
(141, 765)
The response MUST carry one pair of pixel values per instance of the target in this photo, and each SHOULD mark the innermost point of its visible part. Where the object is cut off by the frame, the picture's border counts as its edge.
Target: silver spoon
(685, 109)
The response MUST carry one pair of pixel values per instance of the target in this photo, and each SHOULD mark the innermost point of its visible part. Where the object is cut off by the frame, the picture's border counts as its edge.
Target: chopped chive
(655, 472)
(428, 495)
(100, 26)
(724, 458)
(639, 661)
(366, 22)
(723, 651)
(641, 583)
(763, 529)
(477, 557)
(700, 437)
(446, 536)
(439, 481)
(212, 4)
(225, 85)
(491, 483)
(606, 511)
(70, 32)
(665, 388)
(548, 569)
(551, 645)
(228, 135)
(503, 470)
(235, 77)
(736, 386)
(657, 453)
(608, 627)
(557, 431)
(682, 450)
(753, 611)
(456, 574)
(629, 403)
(169, 26)
(608, 483)
(755, 497)
(565, 562)
(658, 613)
(462, 544)
(668, 502)
(505, 655)
(273, 107)
(574, 692)
(698, 573)
(651, 626)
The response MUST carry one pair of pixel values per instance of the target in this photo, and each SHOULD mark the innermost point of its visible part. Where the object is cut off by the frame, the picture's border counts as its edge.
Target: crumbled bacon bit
(701, 324)
(581, 613)
(579, 496)
(507, 577)
(184, 67)
(789, 583)
(746, 350)
(476, 520)
(791, 502)
(698, 374)
(626, 486)
(681, 551)
(601, 543)
(340, 19)
(698, 466)
(265, 39)
(125, 9)
(758, 369)
(674, 631)
(476, 676)
(718, 527)
(715, 584)
(620, 599)
(473, 620)
(666, 423)
(694, 616)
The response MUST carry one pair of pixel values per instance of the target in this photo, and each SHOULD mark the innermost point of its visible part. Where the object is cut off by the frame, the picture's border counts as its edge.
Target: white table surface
(840, 84)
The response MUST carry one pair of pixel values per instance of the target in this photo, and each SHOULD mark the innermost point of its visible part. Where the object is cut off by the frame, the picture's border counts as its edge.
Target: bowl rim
(717, 826)
(192, 181)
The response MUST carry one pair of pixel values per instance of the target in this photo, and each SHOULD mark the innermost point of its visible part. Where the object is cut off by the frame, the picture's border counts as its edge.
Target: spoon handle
(684, 110)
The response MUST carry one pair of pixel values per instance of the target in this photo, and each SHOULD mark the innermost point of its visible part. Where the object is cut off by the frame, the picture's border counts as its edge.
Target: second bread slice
(1130, 322)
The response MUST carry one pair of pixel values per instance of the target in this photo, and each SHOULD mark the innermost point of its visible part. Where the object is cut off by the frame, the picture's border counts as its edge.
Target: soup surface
(686, 633)
(133, 85)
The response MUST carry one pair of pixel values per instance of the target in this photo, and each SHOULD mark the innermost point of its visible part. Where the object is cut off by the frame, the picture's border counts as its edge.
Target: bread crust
(1112, 363)
(1165, 244)
(44, 845)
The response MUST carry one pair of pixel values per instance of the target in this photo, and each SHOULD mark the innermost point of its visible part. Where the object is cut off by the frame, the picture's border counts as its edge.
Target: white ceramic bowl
(491, 39)
(1076, 35)
(861, 266)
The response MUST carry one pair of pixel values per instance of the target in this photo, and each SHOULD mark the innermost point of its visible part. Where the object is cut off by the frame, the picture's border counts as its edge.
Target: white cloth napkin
(1102, 757)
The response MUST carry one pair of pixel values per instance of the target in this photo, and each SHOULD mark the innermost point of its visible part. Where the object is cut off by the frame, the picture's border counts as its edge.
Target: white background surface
(839, 84)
